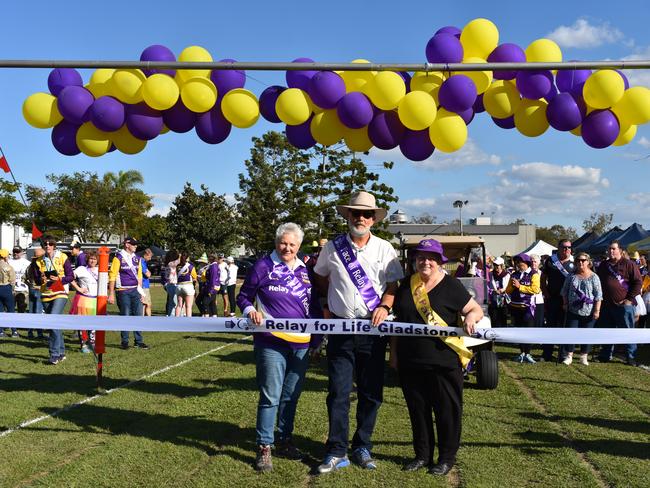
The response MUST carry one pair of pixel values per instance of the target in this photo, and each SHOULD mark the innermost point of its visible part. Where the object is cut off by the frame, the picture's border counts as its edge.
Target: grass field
(193, 424)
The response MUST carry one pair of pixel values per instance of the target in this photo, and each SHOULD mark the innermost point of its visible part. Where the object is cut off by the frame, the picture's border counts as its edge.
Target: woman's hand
(255, 317)
(516, 283)
(379, 314)
(596, 314)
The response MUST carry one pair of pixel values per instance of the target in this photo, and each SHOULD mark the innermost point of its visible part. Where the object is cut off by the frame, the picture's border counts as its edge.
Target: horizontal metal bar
(285, 66)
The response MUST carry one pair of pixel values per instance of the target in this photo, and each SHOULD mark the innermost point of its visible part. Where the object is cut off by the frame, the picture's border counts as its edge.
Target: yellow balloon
(241, 108)
(577, 131)
(448, 132)
(501, 99)
(91, 141)
(481, 79)
(625, 135)
(530, 117)
(160, 91)
(326, 128)
(199, 94)
(126, 85)
(99, 84)
(634, 106)
(479, 38)
(603, 89)
(293, 106)
(417, 110)
(357, 140)
(193, 54)
(127, 143)
(543, 51)
(355, 80)
(386, 90)
(164, 129)
(428, 82)
(41, 111)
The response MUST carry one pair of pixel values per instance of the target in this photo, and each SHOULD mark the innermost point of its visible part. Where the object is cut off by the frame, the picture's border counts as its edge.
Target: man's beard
(359, 231)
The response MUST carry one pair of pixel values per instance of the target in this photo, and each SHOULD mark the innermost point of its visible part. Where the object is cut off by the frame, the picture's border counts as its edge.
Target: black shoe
(441, 469)
(415, 465)
(124, 345)
(286, 449)
(140, 345)
(631, 362)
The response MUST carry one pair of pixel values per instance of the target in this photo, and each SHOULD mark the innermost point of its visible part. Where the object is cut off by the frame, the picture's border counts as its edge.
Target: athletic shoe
(361, 457)
(332, 463)
(15, 334)
(124, 345)
(53, 360)
(583, 360)
(263, 461)
(2, 333)
(529, 359)
(140, 345)
(520, 358)
(86, 349)
(631, 362)
(286, 449)
(568, 359)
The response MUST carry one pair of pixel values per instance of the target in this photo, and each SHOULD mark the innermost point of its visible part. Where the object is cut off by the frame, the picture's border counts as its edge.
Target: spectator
(79, 257)
(232, 282)
(539, 297)
(499, 298)
(522, 288)
(146, 283)
(85, 301)
(7, 283)
(212, 286)
(223, 282)
(21, 290)
(169, 279)
(185, 290)
(35, 303)
(201, 271)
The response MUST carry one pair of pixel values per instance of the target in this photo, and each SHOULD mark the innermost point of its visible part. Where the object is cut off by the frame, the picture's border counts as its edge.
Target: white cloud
(469, 155)
(644, 142)
(161, 203)
(638, 77)
(418, 203)
(582, 34)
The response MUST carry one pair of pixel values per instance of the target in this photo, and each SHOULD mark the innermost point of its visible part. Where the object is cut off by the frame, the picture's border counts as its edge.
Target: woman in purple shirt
(281, 286)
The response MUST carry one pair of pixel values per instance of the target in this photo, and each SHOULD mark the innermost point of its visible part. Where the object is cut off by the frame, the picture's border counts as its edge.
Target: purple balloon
(158, 52)
(267, 103)
(74, 103)
(406, 76)
(478, 104)
(355, 110)
(385, 130)
(444, 48)
(59, 78)
(552, 93)
(457, 93)
(300, 135)
(565, 112)
(467, 115)
(299, 78)
(449, 29)
(227, 79)
(600, 129)
(179, 118)
(571, 80)
(326, 89)
(64, 138)
(625, 80)
(107, 114)
(507, 123)
(212, 127)
(143, 121)
(416, 145)
(534, 84)
(506, 53)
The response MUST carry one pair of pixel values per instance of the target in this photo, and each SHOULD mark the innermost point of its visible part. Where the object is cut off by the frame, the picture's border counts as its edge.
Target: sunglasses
(50, 243)
(366, 214)
(582, 260)
(565, 247)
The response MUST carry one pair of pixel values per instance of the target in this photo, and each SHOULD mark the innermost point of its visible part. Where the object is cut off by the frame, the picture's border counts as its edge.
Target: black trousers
(439, 390)
(521, 317)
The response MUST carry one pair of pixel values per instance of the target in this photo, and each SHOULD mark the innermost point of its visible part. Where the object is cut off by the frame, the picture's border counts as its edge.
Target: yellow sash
(430, 317)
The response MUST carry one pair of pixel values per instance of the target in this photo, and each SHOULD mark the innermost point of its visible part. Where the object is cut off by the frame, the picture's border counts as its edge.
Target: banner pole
(102, 299)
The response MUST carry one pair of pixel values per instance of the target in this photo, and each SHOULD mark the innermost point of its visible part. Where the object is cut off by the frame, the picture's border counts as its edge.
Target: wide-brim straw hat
(362, 200)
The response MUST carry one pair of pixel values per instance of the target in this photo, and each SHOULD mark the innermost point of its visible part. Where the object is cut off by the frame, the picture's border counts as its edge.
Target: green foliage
(201, 222)
(153, 230)
(556, 232)
(598, 222)
(11, 210)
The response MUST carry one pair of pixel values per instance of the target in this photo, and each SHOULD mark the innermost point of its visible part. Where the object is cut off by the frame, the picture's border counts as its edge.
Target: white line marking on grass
(27, 423)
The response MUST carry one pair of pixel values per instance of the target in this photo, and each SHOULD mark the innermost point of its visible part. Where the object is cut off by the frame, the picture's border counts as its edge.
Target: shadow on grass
(635, 426)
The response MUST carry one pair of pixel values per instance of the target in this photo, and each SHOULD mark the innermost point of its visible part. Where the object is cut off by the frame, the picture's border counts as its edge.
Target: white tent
(540, 248)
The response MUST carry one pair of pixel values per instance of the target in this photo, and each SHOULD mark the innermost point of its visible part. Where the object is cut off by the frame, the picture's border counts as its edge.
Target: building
(14, 235)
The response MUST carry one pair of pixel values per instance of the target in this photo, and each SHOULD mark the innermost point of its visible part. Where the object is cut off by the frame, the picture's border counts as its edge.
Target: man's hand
(379, 314)
(111, 299)
(255, 317)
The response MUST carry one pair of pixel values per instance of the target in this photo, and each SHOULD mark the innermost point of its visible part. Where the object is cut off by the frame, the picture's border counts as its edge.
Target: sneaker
(86, 349)
(529, 359)
(53, 360)
(631, 362)
(263, 461)
(140, 345)
(583, 360)
(62, 358)
(124, 345)
(361, 456)
(568, 359)
(232, 314)
(332, 463)
(286, 449)
(520, 358)
(2, 333)
(15, 334)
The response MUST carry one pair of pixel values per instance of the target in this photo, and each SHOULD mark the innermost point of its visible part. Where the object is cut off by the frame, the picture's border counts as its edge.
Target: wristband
(385, 307)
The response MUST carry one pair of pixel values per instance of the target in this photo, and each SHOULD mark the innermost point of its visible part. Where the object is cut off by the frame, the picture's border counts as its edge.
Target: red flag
(35, 232)
(4, 165)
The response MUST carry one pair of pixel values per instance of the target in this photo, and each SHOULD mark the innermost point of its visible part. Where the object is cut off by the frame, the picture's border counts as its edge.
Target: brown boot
(263, 461)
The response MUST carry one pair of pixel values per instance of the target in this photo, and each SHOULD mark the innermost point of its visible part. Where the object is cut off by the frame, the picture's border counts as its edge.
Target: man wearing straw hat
(358, 272)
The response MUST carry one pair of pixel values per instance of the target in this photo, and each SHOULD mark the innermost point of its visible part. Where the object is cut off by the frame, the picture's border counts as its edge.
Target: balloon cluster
(123, 109)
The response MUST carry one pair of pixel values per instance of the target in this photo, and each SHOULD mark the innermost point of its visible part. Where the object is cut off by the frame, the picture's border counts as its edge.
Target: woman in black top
(430, 369)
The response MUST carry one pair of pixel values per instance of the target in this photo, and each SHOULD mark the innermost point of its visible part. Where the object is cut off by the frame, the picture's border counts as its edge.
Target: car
(484, 364)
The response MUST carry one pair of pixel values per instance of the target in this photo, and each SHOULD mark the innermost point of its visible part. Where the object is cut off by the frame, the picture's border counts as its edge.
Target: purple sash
(356, 272)
(559, 266)
(582, 299)
(296, 287)
(618, 277)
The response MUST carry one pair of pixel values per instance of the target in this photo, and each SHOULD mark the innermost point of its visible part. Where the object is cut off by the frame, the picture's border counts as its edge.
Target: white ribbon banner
(323, 326)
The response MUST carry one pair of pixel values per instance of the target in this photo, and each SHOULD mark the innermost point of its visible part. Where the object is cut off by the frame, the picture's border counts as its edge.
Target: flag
(35, 232)
(4, 165)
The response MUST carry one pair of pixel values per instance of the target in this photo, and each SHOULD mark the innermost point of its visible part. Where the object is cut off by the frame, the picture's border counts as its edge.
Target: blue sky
(554, 178)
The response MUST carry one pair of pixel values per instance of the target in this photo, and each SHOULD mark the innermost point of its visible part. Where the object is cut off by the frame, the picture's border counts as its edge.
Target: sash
(558, 265)
(356, 272)
(430, 317)
(517, 298)
(299, 292)
(582, 299)
(618, 277)
(128, 260)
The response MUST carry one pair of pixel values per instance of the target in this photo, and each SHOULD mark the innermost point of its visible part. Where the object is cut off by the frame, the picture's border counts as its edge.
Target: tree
(200, 222)
(598, 222)
(154, 230)
(556, 232)
(424, 218)
(11, 210)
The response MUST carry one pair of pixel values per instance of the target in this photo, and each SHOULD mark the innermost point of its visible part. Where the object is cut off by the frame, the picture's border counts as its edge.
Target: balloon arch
(122, 109)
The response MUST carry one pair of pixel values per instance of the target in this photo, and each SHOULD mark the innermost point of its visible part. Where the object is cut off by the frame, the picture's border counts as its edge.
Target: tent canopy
(584, 241)
(632, 234)
(642, 245)
(541, 248)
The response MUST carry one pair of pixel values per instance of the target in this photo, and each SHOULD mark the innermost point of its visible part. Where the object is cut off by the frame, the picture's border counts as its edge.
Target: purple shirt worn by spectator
(212, 278)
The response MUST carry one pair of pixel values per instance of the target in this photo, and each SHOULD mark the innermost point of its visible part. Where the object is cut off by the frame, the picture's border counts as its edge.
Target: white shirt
(377, 258)
(87, 278)
(232, 276)
(20, 266)
(223, 273)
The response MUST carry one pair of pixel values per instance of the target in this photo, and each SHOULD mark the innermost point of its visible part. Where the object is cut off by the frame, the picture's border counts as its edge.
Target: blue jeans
(130, 304)
(56, 343)
(280, 374)
(363, 358)
(170, 305)
(619, 316)
(578, 321)
(7, 303)
(35, 306)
